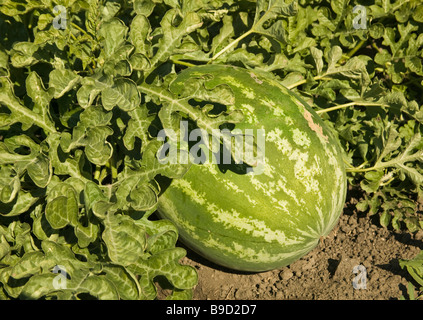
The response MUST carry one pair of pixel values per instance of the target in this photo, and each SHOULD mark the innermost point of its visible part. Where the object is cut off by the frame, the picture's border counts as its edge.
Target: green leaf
(14, 8)
(125, 282)
(62, 206)
(11, 286)
(36, 91)
(414, 267)
(138, 126)
(113, 33)
(143, 196)
(144, 7)
(30, 264)
(226, 32)
(385, 219)
(126, 241)
(20, 204)
(23, 54)
(123, 93)
(35, 163)
(92, 195)
(412, 152)
(98, 286)
(139, 34)
(64, 165)
(88, 91)
(9, 184)
(19, 112)
(373, 181)
(4, 247)
(271, 10)
(418, 13)
(81, 281)
(376, 30)
(165, 263)
(317, 56)
(86, 234)
(91, 132)
(174, 106)
(172, 36)
(63, 80)
(162, 234)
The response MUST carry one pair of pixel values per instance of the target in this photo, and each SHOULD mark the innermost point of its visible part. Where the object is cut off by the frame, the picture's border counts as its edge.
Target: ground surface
(327, 272)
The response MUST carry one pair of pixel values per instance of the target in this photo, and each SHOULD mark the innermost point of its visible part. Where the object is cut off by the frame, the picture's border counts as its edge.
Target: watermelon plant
(87, 86)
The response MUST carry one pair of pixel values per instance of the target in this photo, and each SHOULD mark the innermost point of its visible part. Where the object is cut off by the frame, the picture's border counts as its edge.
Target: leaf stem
(97, 173)
(102, 176)
(113, 168)
(73, 36)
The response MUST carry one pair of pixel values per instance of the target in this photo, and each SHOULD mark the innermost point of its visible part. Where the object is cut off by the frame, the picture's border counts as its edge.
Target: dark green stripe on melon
(268, 220)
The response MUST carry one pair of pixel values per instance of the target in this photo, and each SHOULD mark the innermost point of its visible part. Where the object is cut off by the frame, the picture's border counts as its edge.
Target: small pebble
(286, 275)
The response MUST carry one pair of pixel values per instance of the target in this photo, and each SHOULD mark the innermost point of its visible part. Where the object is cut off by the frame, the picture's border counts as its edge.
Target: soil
(358, 248)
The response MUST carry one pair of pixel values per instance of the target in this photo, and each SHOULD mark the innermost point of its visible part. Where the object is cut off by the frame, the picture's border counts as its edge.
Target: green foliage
(80, 107)
(415, 269)
(78, 161)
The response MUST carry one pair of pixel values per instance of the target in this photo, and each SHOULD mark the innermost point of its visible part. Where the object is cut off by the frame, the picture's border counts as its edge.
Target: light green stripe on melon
(232, 219)
(248, 110)
(300, 137)
(233, 82)
(172, 213)
(277, 111)
(211, 168)
(186, 187)
(303, 172)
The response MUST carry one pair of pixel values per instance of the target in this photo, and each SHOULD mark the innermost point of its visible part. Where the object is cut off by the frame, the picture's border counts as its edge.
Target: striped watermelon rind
(265, 221)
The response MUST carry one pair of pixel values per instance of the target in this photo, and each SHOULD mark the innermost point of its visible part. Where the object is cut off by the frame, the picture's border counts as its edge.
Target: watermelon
(258, 222)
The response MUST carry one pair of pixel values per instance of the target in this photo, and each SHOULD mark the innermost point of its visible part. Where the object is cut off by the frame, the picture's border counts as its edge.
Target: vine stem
(230, 45)
(182, 63)
(79, 28)
(296, 84)
(349, 104)
(353, 51)
(353, 169)
(252, 30)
